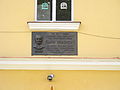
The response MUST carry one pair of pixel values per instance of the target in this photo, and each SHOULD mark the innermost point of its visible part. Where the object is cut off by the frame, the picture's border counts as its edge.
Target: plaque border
(54, 54)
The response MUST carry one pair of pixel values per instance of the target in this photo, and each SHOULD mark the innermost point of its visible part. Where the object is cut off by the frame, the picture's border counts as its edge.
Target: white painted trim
(53, 10)
(35, 10)
(72, 10)
(58, 64)
(54, 25)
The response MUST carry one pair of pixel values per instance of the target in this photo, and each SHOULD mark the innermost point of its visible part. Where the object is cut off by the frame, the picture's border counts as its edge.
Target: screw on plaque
(50, 77)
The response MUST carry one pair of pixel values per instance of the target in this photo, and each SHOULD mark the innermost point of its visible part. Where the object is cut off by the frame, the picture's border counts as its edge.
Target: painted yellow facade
(98, 17)
(64, 80)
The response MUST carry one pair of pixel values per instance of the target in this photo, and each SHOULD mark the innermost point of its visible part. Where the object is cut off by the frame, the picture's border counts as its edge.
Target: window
(44, 9)
(54, 10)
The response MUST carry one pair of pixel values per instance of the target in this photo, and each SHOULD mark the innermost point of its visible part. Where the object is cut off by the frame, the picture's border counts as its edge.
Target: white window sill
(36, 63)
(69, 25)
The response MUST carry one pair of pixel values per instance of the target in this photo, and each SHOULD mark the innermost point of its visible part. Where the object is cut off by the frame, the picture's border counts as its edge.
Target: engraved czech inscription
(54, 43)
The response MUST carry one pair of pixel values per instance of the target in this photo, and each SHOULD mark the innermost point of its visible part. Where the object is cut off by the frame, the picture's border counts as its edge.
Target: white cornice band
(58, 64)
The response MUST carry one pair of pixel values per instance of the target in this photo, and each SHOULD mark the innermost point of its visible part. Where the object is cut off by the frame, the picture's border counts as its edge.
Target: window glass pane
(44, 10)
(63, 10)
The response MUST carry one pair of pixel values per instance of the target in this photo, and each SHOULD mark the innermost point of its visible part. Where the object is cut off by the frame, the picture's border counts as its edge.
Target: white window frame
(54, 10)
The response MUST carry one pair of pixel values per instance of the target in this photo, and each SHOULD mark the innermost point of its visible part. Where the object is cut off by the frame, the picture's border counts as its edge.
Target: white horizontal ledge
(59, 64)
(37, 25)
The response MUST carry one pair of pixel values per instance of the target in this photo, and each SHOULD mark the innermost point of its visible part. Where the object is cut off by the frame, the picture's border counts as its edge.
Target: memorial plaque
(54, 43)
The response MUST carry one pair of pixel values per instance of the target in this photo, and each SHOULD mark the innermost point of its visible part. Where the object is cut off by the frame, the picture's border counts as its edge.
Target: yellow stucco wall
(98, 17)
(64, 80)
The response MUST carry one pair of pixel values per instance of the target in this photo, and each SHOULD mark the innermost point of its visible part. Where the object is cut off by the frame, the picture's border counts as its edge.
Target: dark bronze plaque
(54, 43)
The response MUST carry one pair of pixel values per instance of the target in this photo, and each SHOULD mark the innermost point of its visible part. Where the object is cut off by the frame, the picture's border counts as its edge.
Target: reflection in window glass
(63, 10)
(63, 5)
(44, 10)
